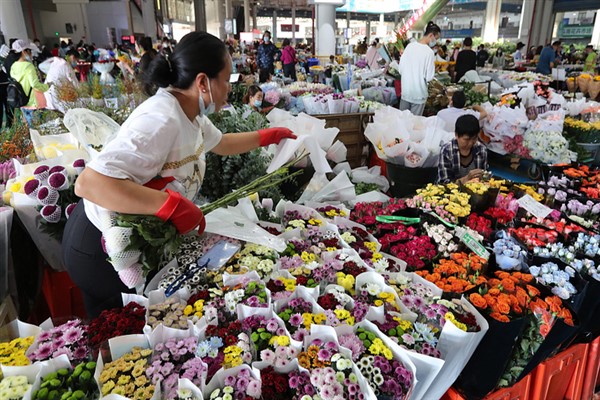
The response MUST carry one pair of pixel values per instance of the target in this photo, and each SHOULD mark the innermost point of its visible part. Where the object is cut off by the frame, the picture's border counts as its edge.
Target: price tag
(471, 242)
(534, 207)
(475, 246)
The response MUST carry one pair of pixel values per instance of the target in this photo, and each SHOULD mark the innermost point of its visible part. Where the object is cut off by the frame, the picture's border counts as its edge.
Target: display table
(352, 134)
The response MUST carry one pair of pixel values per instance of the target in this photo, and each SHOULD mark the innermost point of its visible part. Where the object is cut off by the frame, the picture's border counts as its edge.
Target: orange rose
(533, 291)
(500, 317)
(494, 291)
(503, 307)
(544, 330)
(477, 300)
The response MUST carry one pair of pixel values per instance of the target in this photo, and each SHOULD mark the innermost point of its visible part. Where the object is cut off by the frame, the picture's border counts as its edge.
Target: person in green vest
(24, 72)
(590, 59)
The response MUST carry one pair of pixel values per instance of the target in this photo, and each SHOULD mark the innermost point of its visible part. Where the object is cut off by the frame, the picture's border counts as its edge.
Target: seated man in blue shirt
(463, 158)
(548, 58)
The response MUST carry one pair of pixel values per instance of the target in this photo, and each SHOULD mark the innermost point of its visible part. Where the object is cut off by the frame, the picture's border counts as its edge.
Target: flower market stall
(331, 289)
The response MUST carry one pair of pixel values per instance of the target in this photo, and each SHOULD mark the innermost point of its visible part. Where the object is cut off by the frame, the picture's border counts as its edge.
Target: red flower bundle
(126, 320)
(415, 252)
(275, 385)
(482, 225)
(502, 215)
(227, 332)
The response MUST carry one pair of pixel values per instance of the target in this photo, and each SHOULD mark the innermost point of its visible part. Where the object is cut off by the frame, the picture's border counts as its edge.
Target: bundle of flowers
(126, 320)
(7, 171)
(588, 210)
(562, 226)
(240, 386)
(544, 312)
(457, 274)
(278, 385)
(293, 315)
(253, 257)
(386, 375)
(174, 359)
(416, 336)
(332, 211)
(417, 252)
(169, 313)
(449, 197)
(225, 346)
(70, 338)
(126, 376)
(558, 280)
(64, 383)
(53, 189)
(331, 373)
(548, 147)
(251, 294)
(533, 236)
(480, 224)
(366, 213)
(360, 240)
(14, 387)
(506, 296)
(443, 238)
(270, 340)
(13, 353)
(281, 287)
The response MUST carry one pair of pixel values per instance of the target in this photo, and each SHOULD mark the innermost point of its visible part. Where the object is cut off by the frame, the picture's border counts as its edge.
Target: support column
(368, 31)
(491, 21)
(129, 18)
(12, 20)
(325, 29)
(347, 39)
(200, 14)
(526, 18)
(596, 32)
(381, 29)
(542, 23)
(557, 21)
(395, 21)
(149, 17)
(293, 22)
(247, 27)
(254, 16)
(274, 30)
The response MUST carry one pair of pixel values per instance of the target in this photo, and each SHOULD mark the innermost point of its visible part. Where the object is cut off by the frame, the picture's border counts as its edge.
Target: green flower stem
(273, 179)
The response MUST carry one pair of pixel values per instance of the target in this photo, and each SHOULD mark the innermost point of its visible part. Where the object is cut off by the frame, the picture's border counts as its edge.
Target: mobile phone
(219, 254)
(234, 78)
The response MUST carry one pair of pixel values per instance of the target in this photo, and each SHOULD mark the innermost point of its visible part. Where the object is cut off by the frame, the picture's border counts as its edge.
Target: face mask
(267, 39)
(28, 58)
(432, 43)
(211, 107)
(257, 103)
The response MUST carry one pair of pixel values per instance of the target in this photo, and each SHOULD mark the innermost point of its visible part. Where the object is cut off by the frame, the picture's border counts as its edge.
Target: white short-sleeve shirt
(157, 140)
(451, 114)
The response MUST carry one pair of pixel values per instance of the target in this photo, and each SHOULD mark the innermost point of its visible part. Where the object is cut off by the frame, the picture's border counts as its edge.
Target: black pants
(289, 70)
(88, 267)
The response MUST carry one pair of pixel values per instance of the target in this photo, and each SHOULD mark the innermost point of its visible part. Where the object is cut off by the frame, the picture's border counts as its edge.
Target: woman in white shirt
(155, 165)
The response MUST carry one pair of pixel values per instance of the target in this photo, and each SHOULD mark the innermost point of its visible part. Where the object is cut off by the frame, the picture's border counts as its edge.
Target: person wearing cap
(24, 72)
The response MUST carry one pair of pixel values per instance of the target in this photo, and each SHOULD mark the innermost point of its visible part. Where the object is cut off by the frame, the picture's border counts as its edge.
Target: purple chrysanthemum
(73, 335)
(31, 186)
(57, 180)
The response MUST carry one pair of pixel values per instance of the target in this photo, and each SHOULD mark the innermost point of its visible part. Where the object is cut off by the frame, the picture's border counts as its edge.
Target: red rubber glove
(274, 135)
(182, 213)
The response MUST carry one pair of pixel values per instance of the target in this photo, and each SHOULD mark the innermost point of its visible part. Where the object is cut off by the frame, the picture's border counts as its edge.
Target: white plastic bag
(51, 146)
(416, 156)
(90, 127)
(370, 175)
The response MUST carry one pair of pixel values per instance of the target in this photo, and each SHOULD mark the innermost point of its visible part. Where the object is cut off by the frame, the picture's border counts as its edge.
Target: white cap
(20, 45)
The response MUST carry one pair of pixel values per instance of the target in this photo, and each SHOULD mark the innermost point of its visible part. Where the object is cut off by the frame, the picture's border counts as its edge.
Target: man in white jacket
(417, 68)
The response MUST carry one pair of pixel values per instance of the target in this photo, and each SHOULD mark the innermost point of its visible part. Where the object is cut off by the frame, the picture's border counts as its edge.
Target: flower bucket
(571, 85)
(594, 89)
(593, 149)
(583, 84)
(485, 368)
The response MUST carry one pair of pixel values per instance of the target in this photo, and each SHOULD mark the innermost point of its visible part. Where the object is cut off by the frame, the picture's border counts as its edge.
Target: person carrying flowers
(463, 158)
(155, 165)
